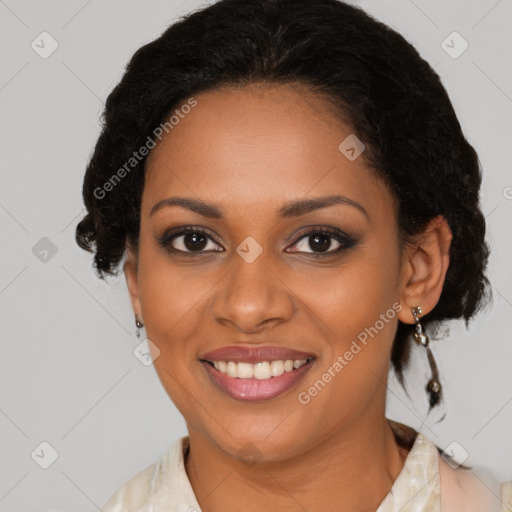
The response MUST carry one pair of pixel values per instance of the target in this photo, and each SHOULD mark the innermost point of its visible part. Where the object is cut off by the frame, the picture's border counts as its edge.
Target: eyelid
(315, 228)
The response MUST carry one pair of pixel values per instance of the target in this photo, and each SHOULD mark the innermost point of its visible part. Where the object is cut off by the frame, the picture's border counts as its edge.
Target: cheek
(358, 303)
(352, 297)
(171, 305)
(168, 294)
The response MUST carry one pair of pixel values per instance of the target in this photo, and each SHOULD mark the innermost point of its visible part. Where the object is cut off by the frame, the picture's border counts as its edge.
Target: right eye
(188, 241)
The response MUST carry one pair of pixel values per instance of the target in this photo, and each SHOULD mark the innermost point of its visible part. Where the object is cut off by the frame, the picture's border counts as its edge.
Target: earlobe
(425, 265)
(131, 275)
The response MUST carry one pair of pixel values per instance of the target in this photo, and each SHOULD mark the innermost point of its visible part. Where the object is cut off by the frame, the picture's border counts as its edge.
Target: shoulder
(506, 495)
(472, 490)
(163, 485)
(135, 494)
(461, 489)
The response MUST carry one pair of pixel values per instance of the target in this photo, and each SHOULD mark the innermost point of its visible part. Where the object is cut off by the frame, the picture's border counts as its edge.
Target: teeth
(262, 370)
(232, 369)
(276, 368)
(245, 370)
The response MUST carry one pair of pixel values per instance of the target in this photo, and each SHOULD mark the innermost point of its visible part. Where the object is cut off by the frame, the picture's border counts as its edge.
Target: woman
(295, 204)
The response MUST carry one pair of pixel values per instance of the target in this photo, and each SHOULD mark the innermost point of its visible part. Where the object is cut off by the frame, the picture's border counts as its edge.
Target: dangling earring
(139, 325)
(433, 386)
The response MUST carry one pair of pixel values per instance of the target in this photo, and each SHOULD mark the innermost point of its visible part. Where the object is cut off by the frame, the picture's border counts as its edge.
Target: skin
(249, 151)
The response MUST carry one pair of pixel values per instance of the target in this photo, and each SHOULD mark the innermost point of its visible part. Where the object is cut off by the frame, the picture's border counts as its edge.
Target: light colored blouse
(427, 483)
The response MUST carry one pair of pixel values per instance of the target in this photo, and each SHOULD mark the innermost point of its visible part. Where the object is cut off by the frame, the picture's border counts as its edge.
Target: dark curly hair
(373, 78)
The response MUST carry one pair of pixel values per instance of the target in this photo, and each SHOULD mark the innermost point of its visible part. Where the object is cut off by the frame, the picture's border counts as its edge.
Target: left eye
(320, 242)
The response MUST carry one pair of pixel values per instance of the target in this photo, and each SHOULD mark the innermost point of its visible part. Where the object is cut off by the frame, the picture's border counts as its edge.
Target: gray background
(68, 374)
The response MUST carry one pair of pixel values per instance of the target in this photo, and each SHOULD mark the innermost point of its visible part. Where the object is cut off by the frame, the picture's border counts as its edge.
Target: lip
(255, 390)
(241, 354)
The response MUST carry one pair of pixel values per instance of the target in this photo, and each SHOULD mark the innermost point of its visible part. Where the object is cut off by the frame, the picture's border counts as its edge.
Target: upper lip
(254, 354)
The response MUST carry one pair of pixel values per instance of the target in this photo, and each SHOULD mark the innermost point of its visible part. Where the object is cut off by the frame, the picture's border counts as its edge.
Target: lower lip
(254, 390)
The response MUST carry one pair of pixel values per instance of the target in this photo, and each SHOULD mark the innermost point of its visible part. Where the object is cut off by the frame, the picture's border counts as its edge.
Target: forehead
(258, 146)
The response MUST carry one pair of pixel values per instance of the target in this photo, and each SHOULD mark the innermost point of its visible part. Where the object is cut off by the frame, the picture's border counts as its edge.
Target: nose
(253, 297)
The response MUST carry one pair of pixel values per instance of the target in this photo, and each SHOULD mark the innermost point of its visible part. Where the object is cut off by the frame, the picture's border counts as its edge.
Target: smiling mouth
(262, 370)
(256, 382)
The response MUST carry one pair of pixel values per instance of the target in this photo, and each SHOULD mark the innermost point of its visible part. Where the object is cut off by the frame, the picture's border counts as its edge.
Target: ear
(424, 268)
(130, 272)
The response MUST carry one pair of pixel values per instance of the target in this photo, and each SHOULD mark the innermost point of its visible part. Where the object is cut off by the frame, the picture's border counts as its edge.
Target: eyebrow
(291, 209)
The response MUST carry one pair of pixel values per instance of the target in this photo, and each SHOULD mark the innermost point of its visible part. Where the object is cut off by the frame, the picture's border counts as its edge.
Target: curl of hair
(373, 78)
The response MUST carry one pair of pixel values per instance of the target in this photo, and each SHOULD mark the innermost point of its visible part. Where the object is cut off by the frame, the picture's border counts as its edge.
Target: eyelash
(346, 241)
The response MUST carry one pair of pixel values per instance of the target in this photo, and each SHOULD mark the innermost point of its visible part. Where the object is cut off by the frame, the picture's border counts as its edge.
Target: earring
(433, 386)
(139, 324)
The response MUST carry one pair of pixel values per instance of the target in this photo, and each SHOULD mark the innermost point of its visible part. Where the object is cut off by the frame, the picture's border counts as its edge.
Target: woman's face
(263, 273)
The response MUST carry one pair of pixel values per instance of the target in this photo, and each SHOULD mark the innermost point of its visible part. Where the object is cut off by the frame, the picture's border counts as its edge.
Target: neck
(353, 469)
